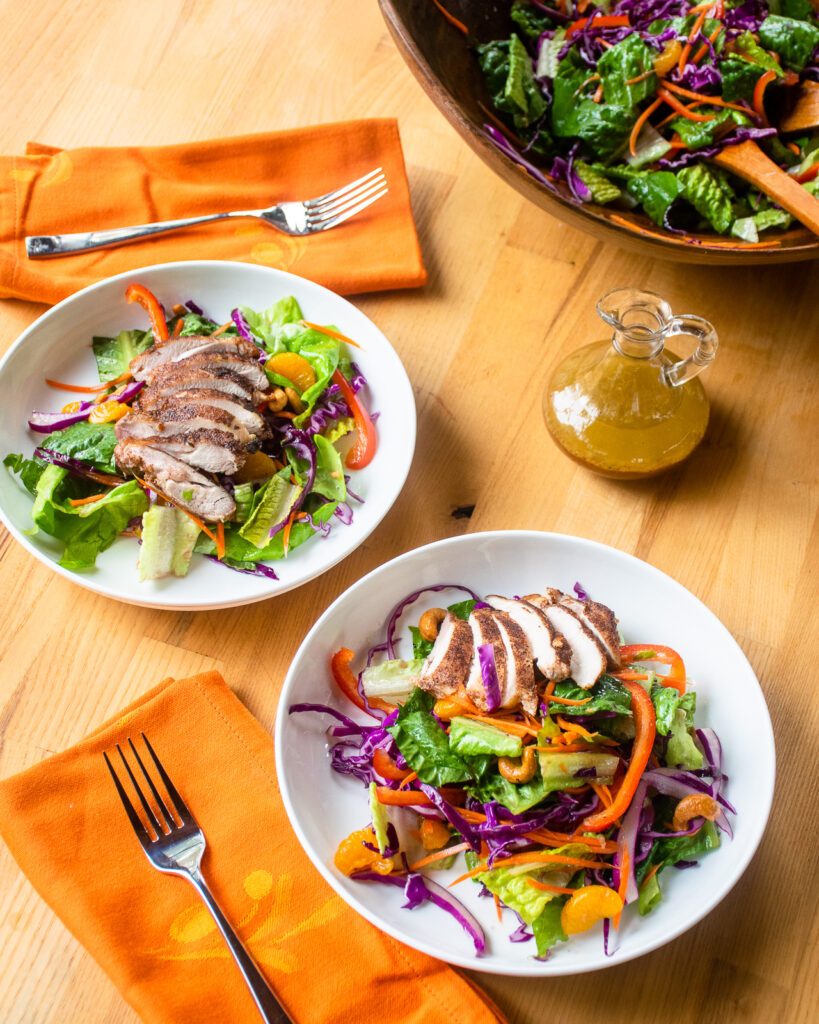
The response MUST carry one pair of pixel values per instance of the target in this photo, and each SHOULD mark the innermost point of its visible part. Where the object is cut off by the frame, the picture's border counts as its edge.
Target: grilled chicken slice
(588, 660)
(447, 666)
(204, 399)
(214, 451)
(185, 419)
(485, 630)
(520, 688)
(198, 372)
(549, 649)
(602, 622)
(176, 349)
(190, 488)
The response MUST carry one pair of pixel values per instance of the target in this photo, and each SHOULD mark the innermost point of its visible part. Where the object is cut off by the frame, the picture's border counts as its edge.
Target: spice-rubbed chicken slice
(214, 451)
(601, 621)
(177, 349)
(197, 372)
(183, 420)
(588, 661)
(202, 398)
(549, 648)
(520, 688)
(447, 666)
(186, 486)
(485, 630)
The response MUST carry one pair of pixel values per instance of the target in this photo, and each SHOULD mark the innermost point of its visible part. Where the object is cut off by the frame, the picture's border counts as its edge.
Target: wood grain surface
(511, 292)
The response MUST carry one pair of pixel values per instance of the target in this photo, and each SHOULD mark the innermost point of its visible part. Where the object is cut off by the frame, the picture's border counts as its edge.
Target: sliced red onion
(627, 843)
(195, 308)
(611, 937)
(489, 674)
(671, 786)
(459, 823)
(129, 392)
(48, 422)
(420, 889)
(259, 568)
(76, 467)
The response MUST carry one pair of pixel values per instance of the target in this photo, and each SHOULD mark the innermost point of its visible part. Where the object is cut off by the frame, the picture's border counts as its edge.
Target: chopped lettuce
(468, 736)
(380, 820)
(512, 887)
(548, 928)
(424, 745)
(793, 40)
(666, 852)
(392, 681)
(604, 127)
(267, 324)
(196, 324)
(243, 496)
(114, 355)
(559, 771)
(244, 554)
(272, 504)
(708, 194)
(421, 648)
(529, 19)
(29, 470)
(339, 429)
(515, 798)
(91, 443)
(168, 538)
(622, 63)
(697, 134)
(510, 78)
(602, 190)
(607, 694)
(650, 894)
(547, 58)
(462, 609)
(681, 750)
(329, 481)
(86, 530)
(666, 701)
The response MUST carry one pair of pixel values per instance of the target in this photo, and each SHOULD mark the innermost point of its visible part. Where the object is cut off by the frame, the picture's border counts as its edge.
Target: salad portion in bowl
(624, 104)
(525, 750)
(236, 441)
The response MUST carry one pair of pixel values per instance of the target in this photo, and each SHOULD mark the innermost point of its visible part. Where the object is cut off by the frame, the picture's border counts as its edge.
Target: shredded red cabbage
(195, 308)
(486, 657)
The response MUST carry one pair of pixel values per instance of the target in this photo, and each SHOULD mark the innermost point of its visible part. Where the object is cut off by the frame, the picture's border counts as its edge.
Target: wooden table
(511, 292)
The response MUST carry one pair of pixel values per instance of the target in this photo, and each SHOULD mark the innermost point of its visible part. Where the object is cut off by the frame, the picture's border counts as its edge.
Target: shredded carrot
(565, 700)
(650, 875)
(638, 124)
(700, 97)
(603, 792)
(285, 415)
(220, 541)
(675, 104)
(516, 728)
(407, 780)
(640, 78)
(569, 748)
(543, 887)
(759, 93)
(794, 148)
(692, 35)
(498, 909)
(598, 94)
(85, 390)
(451, 18)
(545, 858)
(448, 851)
(332, 334)
(704, 48)
(180, 323)
(152, 487)
(222, 329)
(74, 502)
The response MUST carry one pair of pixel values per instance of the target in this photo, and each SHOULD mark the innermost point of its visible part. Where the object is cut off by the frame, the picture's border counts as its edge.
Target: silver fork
(177, 848)
(306, 217)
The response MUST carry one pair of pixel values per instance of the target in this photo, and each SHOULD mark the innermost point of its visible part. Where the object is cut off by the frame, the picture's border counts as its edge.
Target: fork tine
(340, 205)
(159, 801)
(149, 813)
(335, 221)
(179, 804)
(133, 817)
(328, 196)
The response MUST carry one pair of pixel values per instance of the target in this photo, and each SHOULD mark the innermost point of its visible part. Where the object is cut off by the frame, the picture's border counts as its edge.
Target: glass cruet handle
(703, 355)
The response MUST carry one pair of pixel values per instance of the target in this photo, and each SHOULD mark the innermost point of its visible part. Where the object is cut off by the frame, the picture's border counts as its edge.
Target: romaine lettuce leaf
(507, 68)
(793, 40)
(91, 443)
(329, 480)
(607, 694)
(547, 928)
(272, 504)
(462, 609)
(424, 744)
(114, 355)
(246, 554)
(666, 701)
(516, 798)
(603, 126)
(467, 736)
(380, 819)
(655, 191)
(707, 194)
(602, 190)
(627, 60)
(681, 750)
(421, 648)
(512, 887)
(392, 681)
(29, 470)
(268, 323)
(529, 19)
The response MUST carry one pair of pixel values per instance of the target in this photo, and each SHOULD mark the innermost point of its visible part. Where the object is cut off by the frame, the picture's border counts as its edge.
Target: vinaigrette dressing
(628, 407)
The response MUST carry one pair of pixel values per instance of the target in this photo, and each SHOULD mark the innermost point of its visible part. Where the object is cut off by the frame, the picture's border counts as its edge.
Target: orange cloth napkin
(64, 824)
(55, 191)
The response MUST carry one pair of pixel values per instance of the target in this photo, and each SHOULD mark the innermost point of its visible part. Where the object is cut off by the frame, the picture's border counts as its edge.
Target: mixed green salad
(289, 473)
(626, 101)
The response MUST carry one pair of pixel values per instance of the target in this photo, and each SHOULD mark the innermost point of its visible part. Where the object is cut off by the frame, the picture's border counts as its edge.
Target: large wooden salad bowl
(440, 58)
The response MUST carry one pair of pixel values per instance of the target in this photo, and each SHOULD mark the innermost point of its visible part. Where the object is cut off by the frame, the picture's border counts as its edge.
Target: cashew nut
(277, 400)
(519, 771)
(430, 623)
(696, 805)
(296, 403)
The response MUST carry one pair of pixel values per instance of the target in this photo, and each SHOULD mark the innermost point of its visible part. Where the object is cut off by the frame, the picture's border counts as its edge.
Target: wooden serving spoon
(746, 160)
(805, 113)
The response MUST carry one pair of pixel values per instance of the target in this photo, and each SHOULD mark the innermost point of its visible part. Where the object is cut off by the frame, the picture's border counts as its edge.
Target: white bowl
(324, 807)
(58, 345)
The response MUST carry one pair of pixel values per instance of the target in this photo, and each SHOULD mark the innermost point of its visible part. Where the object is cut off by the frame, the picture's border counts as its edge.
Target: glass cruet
(628, 407)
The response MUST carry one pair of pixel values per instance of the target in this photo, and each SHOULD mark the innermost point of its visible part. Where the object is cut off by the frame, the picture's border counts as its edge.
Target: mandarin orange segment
(108, 412)
(352, 855)
(294, 367)
(588, 906)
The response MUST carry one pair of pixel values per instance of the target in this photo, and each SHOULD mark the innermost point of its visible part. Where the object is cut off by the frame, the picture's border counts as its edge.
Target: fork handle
(268, 1005)
(41, 246)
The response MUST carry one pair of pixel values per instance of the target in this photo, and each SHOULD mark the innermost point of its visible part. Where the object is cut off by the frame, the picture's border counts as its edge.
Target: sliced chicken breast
(202, 398)
(602, 622)
(214, 451)
(549, 649)
(485, 630)
(169, 378)
(174, 422)
(588, 660)
(176, 349)
(447, 666)
(520, 689)
(185, 485)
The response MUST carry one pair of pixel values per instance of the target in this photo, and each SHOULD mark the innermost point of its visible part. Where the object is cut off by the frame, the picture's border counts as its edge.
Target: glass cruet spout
(628, 406)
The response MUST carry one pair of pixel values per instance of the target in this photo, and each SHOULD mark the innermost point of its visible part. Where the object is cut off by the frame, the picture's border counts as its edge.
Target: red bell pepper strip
(605, 21)
(149, 302)
(387, 768)
(347, 681)
(363, 451)
(645, 728)
(675, 676)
